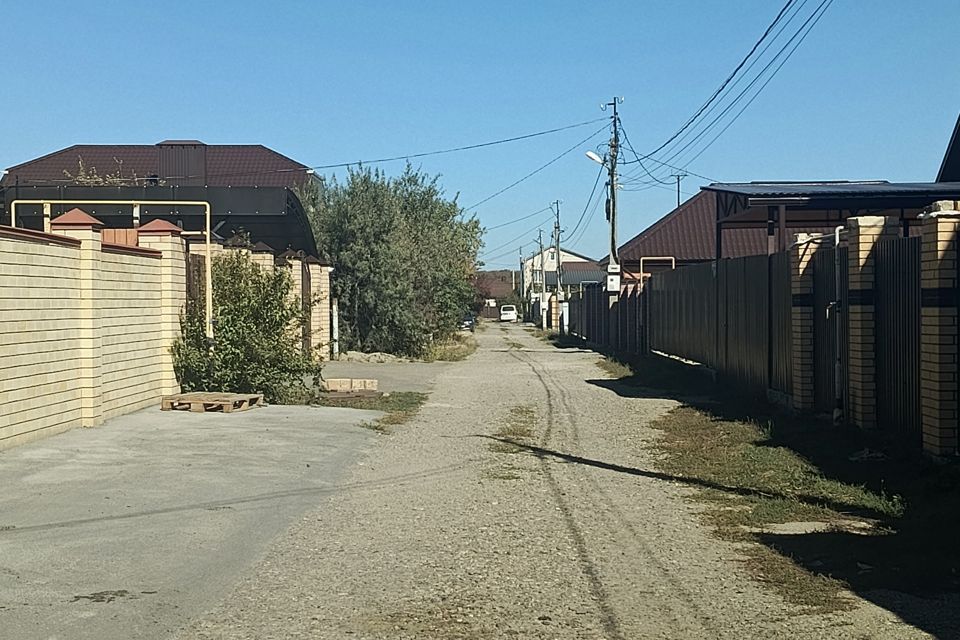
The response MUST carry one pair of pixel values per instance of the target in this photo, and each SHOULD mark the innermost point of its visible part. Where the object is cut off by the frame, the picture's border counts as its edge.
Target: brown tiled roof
(577, 265)
(688, 233)
(227, 165)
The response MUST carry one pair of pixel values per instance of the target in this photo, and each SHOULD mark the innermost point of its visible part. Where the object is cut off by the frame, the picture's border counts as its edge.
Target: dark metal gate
(897, 322)
(306, 295)
(781, 324)
(829, 308)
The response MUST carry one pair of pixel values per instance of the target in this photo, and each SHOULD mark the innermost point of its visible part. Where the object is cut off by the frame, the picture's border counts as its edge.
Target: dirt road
(574, 535)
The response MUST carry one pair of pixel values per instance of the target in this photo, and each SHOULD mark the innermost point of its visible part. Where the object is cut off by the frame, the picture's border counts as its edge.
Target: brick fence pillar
(319, 307)
(165, 237)
(938, 329)
(78, 224)
(863, 234)
(801, 290)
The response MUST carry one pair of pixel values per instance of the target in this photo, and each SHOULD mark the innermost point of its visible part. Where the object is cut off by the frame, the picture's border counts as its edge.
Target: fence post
(938, 329)
(81, 226)
(801, 313)
(863, 234)
(165, 237)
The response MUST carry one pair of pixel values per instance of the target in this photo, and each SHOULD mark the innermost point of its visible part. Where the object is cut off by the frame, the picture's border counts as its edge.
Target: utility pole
(543, 282)
(556, 234)
(556, 238)
(613, 266)
(679, 177)
(521, 295)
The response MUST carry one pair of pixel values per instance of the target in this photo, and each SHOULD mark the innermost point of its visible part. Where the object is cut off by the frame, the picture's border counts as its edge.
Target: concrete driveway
(130, 529)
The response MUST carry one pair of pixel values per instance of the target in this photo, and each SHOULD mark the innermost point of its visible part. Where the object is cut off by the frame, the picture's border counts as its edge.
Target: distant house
(573, 275)
(547, 259)
(497, 285)
(249, 187)
(686, 235)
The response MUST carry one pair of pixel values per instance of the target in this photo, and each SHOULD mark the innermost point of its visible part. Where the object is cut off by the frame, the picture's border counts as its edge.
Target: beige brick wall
(39, 339)
(85, 330)
(801, 290)
(130, 314)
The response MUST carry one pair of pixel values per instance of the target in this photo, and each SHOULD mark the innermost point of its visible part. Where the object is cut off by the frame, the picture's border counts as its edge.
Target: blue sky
(873, 92)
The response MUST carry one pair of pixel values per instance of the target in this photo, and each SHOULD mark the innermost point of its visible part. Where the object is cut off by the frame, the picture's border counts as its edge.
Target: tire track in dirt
(682, 609)
(608, 617)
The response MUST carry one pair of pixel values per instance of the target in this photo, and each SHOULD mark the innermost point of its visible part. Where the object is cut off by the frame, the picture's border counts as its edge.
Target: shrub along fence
(867, 331)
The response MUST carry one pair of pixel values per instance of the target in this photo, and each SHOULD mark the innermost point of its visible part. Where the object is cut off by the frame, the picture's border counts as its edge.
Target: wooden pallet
(201, 402)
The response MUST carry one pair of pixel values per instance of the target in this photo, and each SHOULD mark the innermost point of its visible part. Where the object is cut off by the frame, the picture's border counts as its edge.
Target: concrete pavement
(130, 529)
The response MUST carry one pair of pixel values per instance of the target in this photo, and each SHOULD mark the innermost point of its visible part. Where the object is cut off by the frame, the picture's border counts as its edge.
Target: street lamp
(593, 156)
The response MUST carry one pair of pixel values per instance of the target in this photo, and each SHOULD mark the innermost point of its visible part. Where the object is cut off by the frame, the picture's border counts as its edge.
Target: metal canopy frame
(267, 213)
(782, 206)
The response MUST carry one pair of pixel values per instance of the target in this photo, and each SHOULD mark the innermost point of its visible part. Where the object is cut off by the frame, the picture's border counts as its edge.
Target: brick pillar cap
(76, 219)
(866, 221)
(290, 254)
(261, 247)
(314, 260)
(160, 227)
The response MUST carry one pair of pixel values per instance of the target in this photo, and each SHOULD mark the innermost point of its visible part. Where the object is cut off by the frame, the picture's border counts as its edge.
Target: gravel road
(447, 534)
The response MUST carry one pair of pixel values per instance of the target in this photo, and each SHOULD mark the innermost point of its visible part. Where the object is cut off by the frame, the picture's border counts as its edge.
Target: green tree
(404, 257)
(257, 335)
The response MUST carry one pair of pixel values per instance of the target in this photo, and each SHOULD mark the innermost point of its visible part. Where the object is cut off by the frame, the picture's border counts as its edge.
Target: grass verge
(456, 348)
(816, 521)
(749, 485)
(400, 407)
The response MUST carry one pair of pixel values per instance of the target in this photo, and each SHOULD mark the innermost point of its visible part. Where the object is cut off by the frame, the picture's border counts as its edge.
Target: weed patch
(400, 407)
(456, 348)
(518, 426)
(750, 483)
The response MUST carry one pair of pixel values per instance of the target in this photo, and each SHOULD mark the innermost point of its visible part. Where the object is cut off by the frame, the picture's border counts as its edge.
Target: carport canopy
(780, 206)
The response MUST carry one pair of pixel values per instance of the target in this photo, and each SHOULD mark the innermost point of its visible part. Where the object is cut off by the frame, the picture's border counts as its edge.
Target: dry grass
(614, 368)
(749, 483)
(518, 426)
(456, 348)
(399, 407)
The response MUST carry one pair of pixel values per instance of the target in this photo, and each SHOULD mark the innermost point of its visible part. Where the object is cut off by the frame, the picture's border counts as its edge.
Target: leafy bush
(257, 330)
(405, 258)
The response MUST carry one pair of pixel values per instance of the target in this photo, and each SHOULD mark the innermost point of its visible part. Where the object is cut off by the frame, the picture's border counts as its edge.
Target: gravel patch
(574, 535)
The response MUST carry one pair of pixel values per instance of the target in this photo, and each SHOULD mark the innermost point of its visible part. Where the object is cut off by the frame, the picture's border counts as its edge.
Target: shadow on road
(911, 569)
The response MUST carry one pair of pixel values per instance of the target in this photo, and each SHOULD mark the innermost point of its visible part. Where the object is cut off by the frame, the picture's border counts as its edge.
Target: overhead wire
(826, 5)
(487, 253)
(801, 31)
(583, 213)
(537, 170)
(728, 79)
(506, 224)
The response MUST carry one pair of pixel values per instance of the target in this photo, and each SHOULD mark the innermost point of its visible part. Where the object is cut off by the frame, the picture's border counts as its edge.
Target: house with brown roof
(686, 235)
(250, 188)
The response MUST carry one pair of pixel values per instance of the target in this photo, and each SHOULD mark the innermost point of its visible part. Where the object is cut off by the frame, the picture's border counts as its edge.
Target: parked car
(468, 323)
(508, 313)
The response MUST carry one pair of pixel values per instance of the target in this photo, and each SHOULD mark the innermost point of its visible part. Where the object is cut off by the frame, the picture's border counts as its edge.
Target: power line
(538, 170)
(589, 200)
(583, 231)
(407, 156)
(505, 224)
(826, 5)
(519, 237)
(728, 79)
(815, 17)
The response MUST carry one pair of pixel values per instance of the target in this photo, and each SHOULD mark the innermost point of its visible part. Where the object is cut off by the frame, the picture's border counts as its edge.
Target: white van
(508, 313)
